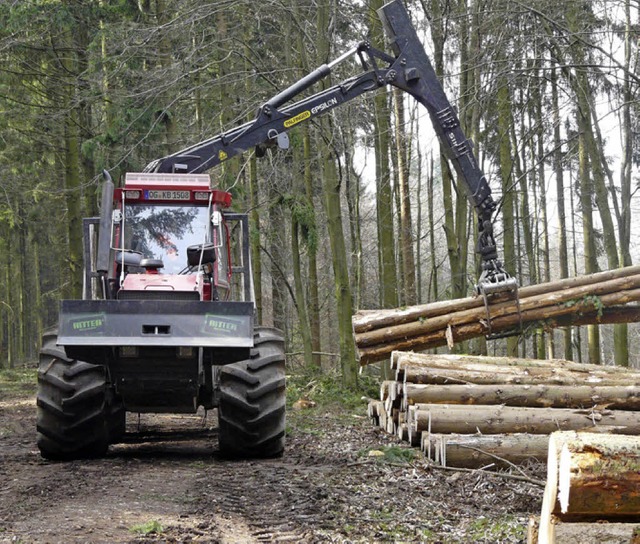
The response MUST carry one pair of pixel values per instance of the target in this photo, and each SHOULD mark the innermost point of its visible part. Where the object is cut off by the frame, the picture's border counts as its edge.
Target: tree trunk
(406, 226)
(590, 263)
(312, 252)
(598, 162)
(587, 189)
(462, 212)
(309, 191)
(384, 195)
(434, 293)
(562, 222)
(508, 197)
(419, 220)
(301, 305)
(37, 297)
(574, 259)
(164, 53)
(621, 332)
(72, 176)
(455, 245)
(543, 222)
(333, 211)
(277, 244)
(525, 218)
(19, 283)
(475, 132)
(624, 221)
(4, 297)
(10, 319)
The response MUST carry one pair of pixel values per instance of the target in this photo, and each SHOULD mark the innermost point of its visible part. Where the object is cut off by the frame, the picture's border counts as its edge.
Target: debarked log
(476, 451)
(464, 419)
(366, 320)
(522, 376)
(590, 477)
(598, 476)
(557, 303)
(591, 309)
(374, 408)
(535, 396)
(400, 359)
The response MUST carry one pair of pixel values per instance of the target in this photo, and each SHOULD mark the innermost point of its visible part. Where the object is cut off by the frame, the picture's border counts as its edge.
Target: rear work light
(201, 195)
(185, 352)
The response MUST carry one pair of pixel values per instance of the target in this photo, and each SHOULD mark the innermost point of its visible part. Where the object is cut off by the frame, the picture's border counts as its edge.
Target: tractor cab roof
(154, 188)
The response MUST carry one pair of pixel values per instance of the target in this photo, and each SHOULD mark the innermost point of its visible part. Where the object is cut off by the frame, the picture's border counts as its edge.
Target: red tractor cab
(170, 239)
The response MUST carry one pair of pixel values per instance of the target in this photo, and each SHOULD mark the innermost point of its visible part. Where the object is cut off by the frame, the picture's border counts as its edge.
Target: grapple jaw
(497, 285)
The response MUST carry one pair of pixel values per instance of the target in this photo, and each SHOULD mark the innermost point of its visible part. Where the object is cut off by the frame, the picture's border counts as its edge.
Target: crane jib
(408, 69)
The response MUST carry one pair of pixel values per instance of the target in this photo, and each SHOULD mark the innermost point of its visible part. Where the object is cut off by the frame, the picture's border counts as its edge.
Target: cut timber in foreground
(593, 479)
(605, 297)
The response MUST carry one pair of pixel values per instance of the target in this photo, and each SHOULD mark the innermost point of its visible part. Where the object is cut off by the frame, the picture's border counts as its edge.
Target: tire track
(276, 503)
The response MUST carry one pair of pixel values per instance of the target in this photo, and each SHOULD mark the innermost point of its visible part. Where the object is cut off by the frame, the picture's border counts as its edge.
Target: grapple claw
(496, 285)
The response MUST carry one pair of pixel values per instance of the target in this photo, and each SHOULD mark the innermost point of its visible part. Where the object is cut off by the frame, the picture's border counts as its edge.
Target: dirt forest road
(166, 483)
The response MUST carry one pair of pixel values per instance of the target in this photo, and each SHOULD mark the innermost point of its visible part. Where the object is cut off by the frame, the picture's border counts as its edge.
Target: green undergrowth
(17, 382)
(148, 528)
(314, 395)
(507, 528)
(395, 455)
(325, 390)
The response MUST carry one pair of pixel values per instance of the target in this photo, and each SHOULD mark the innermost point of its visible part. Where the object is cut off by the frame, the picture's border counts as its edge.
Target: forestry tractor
(167, 319)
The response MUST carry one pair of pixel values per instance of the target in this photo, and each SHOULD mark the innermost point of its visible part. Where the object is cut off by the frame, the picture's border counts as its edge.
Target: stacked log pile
(606, 297)
(468, 411)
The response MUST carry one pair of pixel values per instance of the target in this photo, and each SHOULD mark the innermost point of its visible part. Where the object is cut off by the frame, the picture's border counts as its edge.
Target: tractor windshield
(165, 231)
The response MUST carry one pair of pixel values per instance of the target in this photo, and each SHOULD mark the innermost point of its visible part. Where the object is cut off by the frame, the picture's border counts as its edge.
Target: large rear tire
(72, 405)
(251, 412)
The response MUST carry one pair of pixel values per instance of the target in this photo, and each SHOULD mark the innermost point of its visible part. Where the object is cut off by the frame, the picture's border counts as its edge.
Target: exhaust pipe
(103, 260)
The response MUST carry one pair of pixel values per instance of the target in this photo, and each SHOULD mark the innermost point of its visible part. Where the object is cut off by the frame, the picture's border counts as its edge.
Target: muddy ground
(167, 483)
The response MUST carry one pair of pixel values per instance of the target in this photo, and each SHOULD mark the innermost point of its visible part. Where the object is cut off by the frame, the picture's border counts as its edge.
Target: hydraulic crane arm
(273, 120)
(410, 70)
(417, 77)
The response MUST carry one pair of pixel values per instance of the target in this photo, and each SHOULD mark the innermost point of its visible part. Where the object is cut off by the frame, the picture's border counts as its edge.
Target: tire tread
(252, 400)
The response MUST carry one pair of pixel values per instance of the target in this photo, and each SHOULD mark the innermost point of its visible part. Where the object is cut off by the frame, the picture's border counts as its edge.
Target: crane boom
(408, 69)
